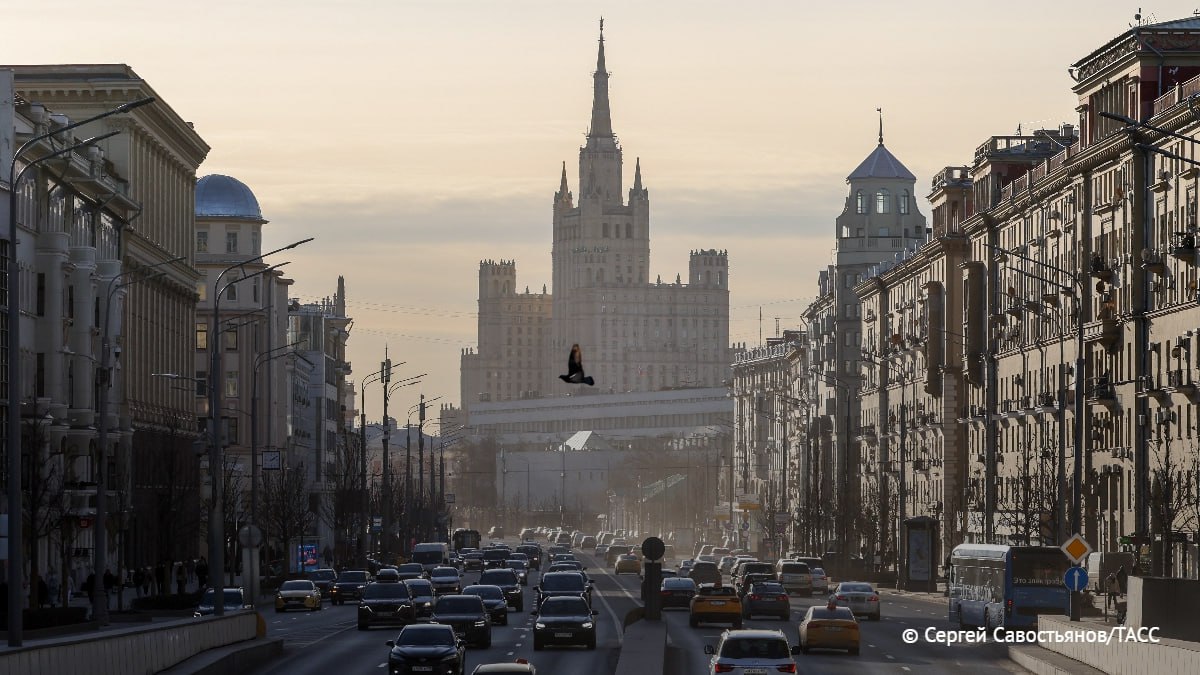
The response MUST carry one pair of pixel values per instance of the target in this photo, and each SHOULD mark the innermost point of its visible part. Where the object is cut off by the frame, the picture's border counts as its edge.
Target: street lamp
(362, 449)
(104, 382)
(216, 546)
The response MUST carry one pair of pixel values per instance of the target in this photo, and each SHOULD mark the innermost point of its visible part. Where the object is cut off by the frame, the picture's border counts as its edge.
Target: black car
(521, 567)
(564, 620)
(495, 557)
(421, 592)
(446, 580)
(493, 600)
(534, 552)
(324, 580)
(677, 592)
(349, 586)
(571, 584)
(466, 614)
(507, 580)
(385, 603)
(427, 648)
(411, 571)
(473, 561)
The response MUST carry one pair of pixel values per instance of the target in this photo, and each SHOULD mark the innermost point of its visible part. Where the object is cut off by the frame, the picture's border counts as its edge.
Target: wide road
(328, 642)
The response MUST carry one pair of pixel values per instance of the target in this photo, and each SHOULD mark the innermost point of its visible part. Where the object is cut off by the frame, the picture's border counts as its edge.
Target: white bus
(431, 555)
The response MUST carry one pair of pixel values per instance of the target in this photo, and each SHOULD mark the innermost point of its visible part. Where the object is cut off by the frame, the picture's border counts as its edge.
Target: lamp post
(362, 449)
(216, 536)
(99, 596)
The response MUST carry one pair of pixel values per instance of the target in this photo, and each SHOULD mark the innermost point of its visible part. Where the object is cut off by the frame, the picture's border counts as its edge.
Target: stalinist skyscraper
(636, 334)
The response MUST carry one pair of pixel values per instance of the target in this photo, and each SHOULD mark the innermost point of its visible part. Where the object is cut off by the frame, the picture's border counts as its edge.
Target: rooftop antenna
(880, 111)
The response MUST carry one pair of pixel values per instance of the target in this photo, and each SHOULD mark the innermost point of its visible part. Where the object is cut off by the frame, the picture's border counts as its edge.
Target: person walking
(191, 570)
(202, 572)
(180, 578)
(139, 580)
(110, 582)
(160, 579)
(53, 587)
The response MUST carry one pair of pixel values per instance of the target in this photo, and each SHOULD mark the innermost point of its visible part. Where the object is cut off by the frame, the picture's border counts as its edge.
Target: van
(431, 555)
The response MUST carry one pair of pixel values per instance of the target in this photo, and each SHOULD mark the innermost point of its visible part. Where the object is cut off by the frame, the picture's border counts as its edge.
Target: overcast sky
(414, 139)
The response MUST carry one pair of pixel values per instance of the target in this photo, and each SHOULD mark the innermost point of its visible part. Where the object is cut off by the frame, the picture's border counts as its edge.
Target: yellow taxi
(715, 603)
(628, 564)
(298, 594)
(828, 627)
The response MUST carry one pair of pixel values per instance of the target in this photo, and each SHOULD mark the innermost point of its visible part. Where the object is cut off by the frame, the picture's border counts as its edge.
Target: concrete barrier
(1168, 604)
(1122, 658)
(644, 649)
(135, 650)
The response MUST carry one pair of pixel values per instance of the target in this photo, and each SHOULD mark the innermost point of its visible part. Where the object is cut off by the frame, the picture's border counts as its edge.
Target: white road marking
(511, 653)
(890, 656)
(382, 665)
(906, 668)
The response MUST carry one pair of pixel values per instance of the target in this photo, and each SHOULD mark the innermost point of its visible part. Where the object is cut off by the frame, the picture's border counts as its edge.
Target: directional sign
(1076, 548)
(1076, 579)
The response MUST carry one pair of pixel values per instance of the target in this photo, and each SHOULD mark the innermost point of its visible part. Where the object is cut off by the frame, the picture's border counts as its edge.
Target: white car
(859, 596)
(820, 581)
(746, 652)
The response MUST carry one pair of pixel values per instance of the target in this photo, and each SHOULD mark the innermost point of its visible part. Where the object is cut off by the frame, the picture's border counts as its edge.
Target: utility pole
(420, 524)
(385, 370)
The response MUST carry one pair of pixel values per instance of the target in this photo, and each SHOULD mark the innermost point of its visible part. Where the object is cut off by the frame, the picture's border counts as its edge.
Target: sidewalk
(938, 596)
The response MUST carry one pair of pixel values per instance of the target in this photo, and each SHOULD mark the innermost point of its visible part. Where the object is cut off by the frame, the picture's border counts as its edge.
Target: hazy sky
(414, 139)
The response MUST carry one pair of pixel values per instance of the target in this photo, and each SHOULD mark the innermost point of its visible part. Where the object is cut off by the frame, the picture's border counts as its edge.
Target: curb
(242, 657)
(1042, 661)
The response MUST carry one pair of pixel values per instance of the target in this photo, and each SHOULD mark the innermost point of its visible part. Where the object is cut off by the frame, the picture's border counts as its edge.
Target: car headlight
(587, 624)
(480, 624)
(539, 625)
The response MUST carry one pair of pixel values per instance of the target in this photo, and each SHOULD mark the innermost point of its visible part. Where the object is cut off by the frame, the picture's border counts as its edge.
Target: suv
(467, 615)
(446, 580)
(757, 651)
(324, 579)
(796, 578)
(554, 584)
(235, 600)
(534, 552)
(507, 580)
(565, 620)
(714, 603)
(705, 572)
(386, 603)
(349, 586)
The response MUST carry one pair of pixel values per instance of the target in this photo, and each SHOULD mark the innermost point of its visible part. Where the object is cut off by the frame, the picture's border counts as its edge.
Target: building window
(255, 242)
(201, 336)
(604, 230)
(628, 230)
(231, 242)
(231, 431)
(231, 339)
(231, 383)
(201, 241)
(904, 203)
(883, 201)
(201, 383)
(202, 291)
(860, 202)
(231, 292)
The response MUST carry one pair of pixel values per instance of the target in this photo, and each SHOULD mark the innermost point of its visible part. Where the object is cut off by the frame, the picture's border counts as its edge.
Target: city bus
(996, 585)
(464, 538)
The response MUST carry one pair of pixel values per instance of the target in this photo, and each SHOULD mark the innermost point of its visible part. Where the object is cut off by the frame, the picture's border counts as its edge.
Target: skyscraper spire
(562, 185)
(637, 174)
(880, 111)
(601, 117)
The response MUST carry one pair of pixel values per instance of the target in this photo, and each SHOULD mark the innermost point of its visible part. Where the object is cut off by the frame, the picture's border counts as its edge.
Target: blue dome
(220, 196)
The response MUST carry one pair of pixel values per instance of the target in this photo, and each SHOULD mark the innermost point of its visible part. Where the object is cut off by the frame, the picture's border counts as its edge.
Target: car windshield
(323, 575)
(385, 591)
(353, 576)
(444, 572)
(855, 588)
(768, 589)
(826, 613)
(716, 590)
(427, 636)
(410, 567)
(676, 583)
(232, 597)
(460, 605)
(702, 565)
(817, 571)
(503, 577)
(794, 568)
(516, 564)
(420, 587)
(755, 648)
(564, 607)
(562, 582)
(296, 586)
(485, 592)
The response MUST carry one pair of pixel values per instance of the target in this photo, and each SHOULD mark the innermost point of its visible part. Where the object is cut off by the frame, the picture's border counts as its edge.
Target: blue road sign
(1076, 579)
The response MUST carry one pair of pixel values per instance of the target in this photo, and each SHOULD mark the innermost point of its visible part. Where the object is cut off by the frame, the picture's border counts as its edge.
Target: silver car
(749, 652)
(859, 597)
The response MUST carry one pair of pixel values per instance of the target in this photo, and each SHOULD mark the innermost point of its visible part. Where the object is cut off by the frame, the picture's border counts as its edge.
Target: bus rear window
(1038, 568)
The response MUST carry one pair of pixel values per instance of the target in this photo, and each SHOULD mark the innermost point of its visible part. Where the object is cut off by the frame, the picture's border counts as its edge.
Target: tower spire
(562, 185)
(880, 111)
(601, 117)
(637, 174)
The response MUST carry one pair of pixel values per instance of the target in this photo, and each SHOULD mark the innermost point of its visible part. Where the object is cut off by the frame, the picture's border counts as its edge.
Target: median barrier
(644, 647)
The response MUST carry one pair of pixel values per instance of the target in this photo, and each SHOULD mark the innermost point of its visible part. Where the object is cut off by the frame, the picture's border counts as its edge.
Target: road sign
(1076, 579)
(1076, 548)
(270, 460)
(250, 536)
(653, 548)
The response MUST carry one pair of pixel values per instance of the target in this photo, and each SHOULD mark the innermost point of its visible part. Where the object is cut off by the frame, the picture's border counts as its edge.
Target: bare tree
(44, 504)
(341, 514)
(1028, 509)
(1171, 500)
(285, 504)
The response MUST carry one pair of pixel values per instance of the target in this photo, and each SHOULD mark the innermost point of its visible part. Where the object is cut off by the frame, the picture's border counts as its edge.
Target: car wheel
(875, 617)
(854, 651)
(591, 643)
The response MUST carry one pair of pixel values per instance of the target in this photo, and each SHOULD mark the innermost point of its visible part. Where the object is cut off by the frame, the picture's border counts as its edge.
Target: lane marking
(890, 656)
(906, 668)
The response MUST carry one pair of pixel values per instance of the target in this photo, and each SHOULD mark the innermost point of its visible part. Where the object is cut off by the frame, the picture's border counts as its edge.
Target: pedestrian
(53, 587)
(147, 580)
(1112, 589)
(43, 592)
(191, 569)
(180, 578)
(70, 588)
(160, 579)
(89, 585)
(202, 572)
(1123, 579)
(110, 582)
(139, 580)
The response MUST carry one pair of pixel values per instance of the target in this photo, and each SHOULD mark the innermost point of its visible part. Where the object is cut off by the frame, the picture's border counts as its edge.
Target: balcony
(1102, 393)
(1183, 245)
(1047, 400)
(1099, 269)
(920, 465)
(1177, 381)
(1152, 385)
(1153, 261)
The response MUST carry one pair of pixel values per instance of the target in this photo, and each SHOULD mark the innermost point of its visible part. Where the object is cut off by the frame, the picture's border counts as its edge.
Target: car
(796, 577)
(445, 580)
(534, 552)
(324, 579)
(628, 564)
(753, 567)
(715, 603)
(385, 603)
(467, 615)
(572, 566)
(564, 557)
(601, 550)
(767, 597)
(744, 583)
(421, 592)
(726, 564)
(588, 542)
(677, 592)
(495, 556)
(616, 551)
(520, 666)
(705, 573)
(828, 627)
(666, 573)
(472, 561)
(528, 533)
(564, 620)
(820, 581)
(686, 566)
(556, 550)
(859, 597)
(387, 575)
(508, 582)
(752, 651)
(496, 532)
(298, 594)
(235, 601)
(349, 586)
(813, 562)
(426, 648)
(554, 584)
(521, 567)
(493, 600)
(411, 571)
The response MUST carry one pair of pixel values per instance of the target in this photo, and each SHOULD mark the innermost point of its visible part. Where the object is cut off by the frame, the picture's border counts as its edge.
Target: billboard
(306, 554)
